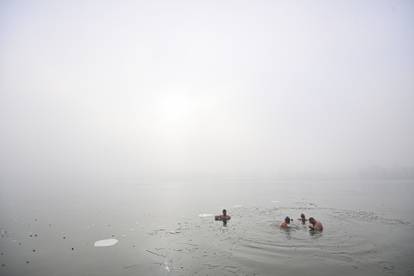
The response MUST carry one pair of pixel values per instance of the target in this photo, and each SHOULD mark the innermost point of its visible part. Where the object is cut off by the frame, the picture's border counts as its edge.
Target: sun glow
(175, 109)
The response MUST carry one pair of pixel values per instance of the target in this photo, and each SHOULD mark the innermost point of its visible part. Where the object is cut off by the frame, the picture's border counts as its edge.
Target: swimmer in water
(285, 224)
(302, 218)
(223, 217)
(315, 225)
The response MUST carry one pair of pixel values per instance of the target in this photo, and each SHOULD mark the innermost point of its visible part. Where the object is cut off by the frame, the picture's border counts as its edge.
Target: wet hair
(287, 219)
(311, 219)
(224, 211)
(302, 215)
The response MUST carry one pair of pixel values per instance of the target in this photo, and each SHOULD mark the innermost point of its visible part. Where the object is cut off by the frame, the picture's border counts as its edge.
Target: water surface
(167, 228)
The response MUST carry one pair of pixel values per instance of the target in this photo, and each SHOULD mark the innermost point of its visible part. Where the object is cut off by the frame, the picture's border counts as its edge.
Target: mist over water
(130, 125)
(167, 228)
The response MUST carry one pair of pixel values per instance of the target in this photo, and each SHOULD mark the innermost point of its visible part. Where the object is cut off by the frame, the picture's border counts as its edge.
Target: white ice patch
(166, 266)
(237, 206)
(107, 242)
(275, 201)
(205, 215)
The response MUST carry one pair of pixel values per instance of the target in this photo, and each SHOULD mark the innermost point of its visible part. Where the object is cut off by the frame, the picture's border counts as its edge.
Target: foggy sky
(157, 87)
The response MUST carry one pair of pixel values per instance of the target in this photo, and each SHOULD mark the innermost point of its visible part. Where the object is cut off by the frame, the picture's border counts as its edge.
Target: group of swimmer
(314, 225)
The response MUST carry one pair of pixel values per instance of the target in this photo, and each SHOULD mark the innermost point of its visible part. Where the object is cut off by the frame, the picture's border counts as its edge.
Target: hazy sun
(174, 109)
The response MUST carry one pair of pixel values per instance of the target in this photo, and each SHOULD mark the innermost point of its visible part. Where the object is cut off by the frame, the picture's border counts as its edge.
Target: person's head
(312, 220)
(224, 212)
(287, 220)
(302, 216)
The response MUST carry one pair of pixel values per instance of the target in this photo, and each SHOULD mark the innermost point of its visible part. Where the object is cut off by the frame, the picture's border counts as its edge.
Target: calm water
(165, 228)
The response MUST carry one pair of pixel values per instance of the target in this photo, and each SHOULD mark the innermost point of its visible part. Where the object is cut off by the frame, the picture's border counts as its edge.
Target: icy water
(167, 228)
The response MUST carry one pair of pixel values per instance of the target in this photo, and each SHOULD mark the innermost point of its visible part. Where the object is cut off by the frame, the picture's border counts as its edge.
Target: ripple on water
(256, 237)
(253, 236)
(365, 216)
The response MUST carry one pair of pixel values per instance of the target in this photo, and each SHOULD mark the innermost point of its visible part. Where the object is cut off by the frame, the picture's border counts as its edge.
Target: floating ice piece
(107, 242)
(205, 215)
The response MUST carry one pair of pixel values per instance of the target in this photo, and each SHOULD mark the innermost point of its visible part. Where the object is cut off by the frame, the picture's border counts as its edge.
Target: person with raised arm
(223, 216)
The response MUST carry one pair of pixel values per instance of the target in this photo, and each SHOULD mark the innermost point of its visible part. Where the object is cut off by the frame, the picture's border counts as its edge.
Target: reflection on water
(315, 234)
(287, 232)
(354, 242)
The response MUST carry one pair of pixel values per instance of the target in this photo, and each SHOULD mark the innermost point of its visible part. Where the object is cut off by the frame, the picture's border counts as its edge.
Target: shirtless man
(315, 225)
(285, 224)
(302, 218)
(223, 217)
